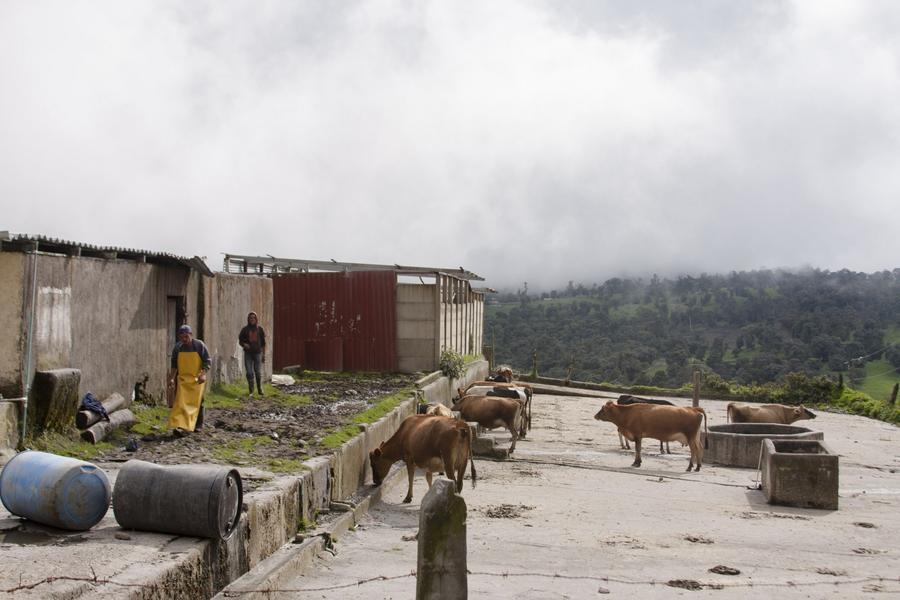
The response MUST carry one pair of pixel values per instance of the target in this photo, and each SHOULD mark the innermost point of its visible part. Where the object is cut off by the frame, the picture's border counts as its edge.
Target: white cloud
(539, 141)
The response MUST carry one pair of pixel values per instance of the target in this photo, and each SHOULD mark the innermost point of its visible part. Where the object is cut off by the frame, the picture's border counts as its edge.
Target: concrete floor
(589, 525)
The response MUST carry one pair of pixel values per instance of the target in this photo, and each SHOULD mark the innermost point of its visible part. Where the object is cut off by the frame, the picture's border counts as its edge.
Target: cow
(625, 399)
(430, 442)
(439, 410)
(519, 393)
(491, 412)
(665, 423)
(504, 375)
(767, 413)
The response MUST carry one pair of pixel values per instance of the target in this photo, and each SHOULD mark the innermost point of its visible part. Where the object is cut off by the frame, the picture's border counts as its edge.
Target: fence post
(696, 401)
(894, 393)
(441, 570)
(534, 364)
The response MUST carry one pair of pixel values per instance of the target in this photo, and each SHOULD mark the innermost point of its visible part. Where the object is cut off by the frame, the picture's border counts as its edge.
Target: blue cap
(186, 329)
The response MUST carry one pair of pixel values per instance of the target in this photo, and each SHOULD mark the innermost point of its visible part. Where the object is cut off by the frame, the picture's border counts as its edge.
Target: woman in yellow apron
(187, 376)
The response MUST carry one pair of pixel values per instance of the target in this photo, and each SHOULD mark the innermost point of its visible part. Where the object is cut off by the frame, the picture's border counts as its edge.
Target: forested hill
(747, 327)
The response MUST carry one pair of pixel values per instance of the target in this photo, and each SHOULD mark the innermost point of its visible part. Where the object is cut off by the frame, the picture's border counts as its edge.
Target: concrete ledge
(740, 444)
(800, 473)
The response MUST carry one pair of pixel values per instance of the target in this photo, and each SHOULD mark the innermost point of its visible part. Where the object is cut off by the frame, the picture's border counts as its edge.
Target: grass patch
(341, 435)
(226, 395)
(880, 379)
(67, 444)
(149, 417)
(236, 395)
(236, 450)
(286, 465)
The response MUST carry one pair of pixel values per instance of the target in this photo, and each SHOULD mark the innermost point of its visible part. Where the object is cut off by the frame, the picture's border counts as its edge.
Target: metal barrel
(55, 490)
(195, 500)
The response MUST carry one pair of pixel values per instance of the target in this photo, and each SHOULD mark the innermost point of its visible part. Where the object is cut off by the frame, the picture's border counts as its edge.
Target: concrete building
(357, 316)
(112, 313)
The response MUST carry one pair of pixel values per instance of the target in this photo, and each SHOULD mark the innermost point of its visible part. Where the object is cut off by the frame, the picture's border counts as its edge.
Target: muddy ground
(276, 432)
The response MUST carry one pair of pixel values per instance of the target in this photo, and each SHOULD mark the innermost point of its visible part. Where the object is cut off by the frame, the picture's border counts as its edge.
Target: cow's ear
(376, 452)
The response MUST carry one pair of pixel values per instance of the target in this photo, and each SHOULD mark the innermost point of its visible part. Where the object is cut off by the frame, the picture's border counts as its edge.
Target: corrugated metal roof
(237, 263)
(23, 242)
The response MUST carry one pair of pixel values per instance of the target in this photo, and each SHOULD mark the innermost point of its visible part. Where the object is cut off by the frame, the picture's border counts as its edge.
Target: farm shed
(357, 316)
(112, 313)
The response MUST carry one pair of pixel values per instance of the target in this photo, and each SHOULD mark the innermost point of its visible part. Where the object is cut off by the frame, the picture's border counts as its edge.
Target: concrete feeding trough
(739, 444)
(801, 473)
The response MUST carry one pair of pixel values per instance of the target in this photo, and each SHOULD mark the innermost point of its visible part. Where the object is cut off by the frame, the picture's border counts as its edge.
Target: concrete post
(441, 566)
(696, 401)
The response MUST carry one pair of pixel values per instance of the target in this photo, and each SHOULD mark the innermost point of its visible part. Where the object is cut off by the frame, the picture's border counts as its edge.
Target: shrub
(451, 364)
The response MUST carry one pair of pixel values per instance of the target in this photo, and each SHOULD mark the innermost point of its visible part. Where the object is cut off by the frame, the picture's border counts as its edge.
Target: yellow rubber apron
(189, 393)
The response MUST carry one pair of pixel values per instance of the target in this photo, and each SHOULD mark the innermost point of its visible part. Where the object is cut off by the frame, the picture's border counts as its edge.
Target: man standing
(253, 340)
(187, 376)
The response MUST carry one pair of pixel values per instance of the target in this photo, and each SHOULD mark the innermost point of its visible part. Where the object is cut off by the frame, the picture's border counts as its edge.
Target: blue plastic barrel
(55, 490)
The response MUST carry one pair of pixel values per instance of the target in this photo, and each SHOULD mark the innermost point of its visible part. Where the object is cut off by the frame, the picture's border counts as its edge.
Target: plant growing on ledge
(451, 364)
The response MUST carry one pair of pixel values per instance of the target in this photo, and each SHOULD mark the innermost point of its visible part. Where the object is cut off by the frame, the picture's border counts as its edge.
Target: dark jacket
(255, 336)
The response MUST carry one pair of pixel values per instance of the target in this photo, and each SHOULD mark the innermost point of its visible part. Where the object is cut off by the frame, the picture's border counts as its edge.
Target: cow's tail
(705, 430)
(728, 410)
(466, 433)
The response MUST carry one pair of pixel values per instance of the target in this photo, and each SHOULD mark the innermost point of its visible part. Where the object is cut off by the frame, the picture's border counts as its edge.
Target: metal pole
(30, 347)
(696, 402)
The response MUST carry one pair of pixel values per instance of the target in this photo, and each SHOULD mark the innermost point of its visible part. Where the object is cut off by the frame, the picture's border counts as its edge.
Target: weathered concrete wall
(108, 318)
(12, 273)
(227, 299)
(416, 344)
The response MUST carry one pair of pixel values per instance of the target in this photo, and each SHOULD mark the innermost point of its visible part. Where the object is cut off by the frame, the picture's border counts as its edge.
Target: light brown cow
(665, 423)
(439, 410)
(517, 392)
(429, 442)
(491, 412)
(768, 413)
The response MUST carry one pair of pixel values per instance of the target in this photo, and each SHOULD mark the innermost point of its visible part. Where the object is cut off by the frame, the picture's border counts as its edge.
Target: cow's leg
(668, 450)
(699, 450)
(410, 471)
(512, 432)
(661, 448)
(428, 477)
(637, 451)
(693, 444)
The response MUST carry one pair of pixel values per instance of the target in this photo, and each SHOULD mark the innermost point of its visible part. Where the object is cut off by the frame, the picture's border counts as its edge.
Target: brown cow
(491, 412)
(768, 413)
(665, 423)
(429, 442)
(521, 393)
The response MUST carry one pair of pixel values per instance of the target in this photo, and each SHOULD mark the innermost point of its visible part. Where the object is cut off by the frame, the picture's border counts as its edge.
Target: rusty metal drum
(192, 500)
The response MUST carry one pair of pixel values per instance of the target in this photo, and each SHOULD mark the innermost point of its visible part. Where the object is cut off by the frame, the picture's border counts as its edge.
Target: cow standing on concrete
(626, 399)
(430, 442)
(665, 423)
(768, 413)
(521, 394)
(491, 412)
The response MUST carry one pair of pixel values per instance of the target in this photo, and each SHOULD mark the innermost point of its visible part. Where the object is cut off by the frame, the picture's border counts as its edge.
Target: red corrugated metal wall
(336, 321)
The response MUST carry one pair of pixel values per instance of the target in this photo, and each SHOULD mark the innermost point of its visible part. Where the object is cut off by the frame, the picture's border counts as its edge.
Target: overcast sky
(537, 141)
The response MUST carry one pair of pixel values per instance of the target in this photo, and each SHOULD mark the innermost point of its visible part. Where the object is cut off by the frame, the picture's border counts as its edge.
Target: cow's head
(801, 412)
(605, 411)
(506, 373)
(380, 466)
